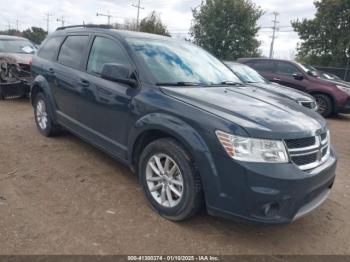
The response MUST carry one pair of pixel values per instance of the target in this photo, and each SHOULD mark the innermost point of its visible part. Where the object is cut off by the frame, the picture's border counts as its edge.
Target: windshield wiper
(230, 83)
(178, 84)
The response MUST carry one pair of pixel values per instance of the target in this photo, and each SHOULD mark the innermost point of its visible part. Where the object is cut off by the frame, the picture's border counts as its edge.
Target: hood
(20, 58)
(334, 82)
(285, 91)
(260, 113)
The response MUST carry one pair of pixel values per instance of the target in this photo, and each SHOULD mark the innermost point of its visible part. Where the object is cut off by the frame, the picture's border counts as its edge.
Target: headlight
(252, 149)
(344, 89)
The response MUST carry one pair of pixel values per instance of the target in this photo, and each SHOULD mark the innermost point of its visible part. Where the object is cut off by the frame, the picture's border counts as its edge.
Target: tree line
(228, 29)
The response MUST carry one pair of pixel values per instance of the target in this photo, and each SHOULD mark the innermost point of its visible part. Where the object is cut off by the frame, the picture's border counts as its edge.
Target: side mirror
(118, 73)
(298, 76)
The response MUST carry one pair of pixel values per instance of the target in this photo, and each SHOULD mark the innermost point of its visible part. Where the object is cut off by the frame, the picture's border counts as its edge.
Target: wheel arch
(328, 95)
(158, 125)
(40, 85)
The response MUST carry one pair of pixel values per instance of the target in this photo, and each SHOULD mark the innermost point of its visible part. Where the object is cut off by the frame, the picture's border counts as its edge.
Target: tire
(191, 200)
(325, 105)
(43, 117)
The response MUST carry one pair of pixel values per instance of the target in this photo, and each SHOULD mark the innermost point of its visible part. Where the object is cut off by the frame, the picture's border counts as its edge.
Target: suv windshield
(309, 69)
(21, 46)
(245, 73)
(174, 62)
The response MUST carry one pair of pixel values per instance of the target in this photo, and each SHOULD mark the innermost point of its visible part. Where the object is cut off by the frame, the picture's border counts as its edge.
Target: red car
(331, 96)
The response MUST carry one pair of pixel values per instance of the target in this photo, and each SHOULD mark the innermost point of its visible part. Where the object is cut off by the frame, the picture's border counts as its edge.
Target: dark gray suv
(194, 134)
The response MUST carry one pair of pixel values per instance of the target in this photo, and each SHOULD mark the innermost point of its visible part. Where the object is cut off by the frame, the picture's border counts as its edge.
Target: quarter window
(72, 50)
(105, 51)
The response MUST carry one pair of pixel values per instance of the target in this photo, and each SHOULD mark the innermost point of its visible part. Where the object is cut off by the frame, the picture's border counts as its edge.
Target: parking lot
(62, 196)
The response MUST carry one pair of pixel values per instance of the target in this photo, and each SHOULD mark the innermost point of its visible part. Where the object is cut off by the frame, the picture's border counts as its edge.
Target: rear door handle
(276, 79)
(84, 82)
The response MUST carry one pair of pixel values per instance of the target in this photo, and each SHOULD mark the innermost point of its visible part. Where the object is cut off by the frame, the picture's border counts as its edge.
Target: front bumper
(270, 193)
(346, 108)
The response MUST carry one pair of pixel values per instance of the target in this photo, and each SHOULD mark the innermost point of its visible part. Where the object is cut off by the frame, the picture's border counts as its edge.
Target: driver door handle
(84, 82)
(276, 79)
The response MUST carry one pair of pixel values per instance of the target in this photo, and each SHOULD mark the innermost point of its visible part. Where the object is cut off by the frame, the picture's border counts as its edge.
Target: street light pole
(106, 15)
(61, 20)
(347, 53)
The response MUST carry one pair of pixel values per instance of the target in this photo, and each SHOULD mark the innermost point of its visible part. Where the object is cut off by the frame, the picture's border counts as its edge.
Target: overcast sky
(176, 14)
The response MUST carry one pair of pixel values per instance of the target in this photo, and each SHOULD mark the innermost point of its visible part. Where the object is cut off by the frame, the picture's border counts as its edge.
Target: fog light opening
(271, 209)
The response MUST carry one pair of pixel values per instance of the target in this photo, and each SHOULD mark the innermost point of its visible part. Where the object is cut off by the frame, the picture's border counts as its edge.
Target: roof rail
(84, 26)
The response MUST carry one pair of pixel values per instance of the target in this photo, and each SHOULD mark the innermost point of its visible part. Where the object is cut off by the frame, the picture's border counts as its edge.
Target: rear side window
(50, 47)
(263, 66)
(72, 50)
(105, 51)
(286, 68)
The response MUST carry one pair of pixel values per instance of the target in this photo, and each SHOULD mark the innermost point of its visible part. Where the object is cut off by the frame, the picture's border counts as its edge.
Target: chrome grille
(308, 153)
(298, 143)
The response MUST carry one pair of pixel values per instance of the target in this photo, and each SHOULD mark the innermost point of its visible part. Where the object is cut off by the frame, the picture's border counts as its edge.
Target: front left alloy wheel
(169, 180)
(43, 117)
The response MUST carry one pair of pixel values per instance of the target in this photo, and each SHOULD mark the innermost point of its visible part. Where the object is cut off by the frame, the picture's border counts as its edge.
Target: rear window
(19, 46)
(72, 50)
(263, 66)
(50, 47)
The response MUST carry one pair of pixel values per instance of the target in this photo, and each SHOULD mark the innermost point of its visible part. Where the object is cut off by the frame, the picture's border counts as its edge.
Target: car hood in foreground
(261, 114)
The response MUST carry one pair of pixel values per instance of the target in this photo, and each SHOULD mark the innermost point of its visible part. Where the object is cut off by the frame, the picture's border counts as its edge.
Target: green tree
(227, 28)
(153, 24)
(35, 34)
(326, 37)
(12, 32)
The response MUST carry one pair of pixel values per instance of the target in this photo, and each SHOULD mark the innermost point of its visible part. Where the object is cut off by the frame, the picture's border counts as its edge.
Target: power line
(275, 22)
(138, 6)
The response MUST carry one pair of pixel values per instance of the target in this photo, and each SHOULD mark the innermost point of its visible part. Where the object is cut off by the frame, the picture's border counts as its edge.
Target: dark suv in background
(332, 97)
(251, 77)
(195, 135)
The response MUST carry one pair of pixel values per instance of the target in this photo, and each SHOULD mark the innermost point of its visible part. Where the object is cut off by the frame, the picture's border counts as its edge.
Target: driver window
(105, 51)
(286, 69)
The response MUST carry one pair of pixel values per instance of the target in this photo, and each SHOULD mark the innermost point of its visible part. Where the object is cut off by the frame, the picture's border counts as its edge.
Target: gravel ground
(62, 196)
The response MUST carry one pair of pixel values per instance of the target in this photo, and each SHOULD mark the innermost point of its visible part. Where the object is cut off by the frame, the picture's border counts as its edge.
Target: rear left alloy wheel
(169, 180)
(43, 117)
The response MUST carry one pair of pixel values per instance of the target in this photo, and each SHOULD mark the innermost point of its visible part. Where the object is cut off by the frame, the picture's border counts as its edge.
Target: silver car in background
(15, 61)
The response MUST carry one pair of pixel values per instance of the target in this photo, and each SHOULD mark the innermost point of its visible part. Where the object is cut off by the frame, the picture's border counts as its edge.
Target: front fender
(189, 138)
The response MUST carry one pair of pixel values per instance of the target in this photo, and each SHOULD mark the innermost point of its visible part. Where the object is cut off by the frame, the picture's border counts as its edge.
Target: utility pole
(61, 20)
(275, 22)
(106, 15)
(48, 21)
(17, 24)
(138, 6)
